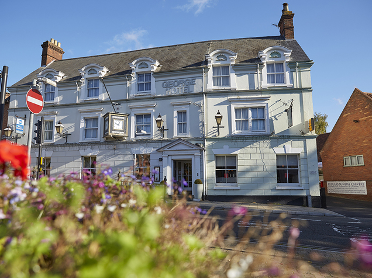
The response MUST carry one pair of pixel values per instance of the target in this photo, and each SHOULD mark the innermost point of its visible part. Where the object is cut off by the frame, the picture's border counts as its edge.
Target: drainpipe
(296, 75)
(258, 76)
(204, 139)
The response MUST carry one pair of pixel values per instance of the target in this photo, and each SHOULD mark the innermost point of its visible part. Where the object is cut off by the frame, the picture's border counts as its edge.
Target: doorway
(182, 173)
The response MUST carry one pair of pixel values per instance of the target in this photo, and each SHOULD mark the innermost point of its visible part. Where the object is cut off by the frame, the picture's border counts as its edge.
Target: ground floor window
(46, 166)
(142, 166)
(226, 169)
(287, 168)
(89, 165)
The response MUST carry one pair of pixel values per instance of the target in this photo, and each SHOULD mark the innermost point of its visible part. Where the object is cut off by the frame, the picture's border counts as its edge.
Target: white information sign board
(347, 187)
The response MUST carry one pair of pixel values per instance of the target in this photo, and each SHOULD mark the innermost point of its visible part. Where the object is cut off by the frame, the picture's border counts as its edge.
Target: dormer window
(49, 91)
(221, 75)
(143, 82)
(92, 88)
(276, 70)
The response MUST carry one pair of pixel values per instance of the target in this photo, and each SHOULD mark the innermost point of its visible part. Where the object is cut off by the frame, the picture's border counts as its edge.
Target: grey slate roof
(175, 57)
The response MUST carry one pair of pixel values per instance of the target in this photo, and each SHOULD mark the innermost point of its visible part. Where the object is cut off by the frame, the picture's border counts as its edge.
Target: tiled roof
(175, 57)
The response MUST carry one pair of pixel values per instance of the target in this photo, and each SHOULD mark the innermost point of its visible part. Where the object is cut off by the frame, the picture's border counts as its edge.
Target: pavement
(269, 208)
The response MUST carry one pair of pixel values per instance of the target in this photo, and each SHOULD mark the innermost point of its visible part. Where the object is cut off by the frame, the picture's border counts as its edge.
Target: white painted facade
(187, 100)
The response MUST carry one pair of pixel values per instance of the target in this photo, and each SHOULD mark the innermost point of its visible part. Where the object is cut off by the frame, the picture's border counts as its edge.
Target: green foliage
(198, 181)
(321, 124)
(98, 227)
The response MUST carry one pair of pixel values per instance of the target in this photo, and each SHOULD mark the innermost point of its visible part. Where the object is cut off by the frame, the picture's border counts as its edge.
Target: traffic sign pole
(30, 125)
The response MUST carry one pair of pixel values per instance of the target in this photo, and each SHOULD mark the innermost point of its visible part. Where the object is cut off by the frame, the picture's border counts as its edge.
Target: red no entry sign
(34, 101)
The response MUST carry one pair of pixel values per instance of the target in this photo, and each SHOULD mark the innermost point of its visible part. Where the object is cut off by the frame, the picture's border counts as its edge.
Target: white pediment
(179, 145)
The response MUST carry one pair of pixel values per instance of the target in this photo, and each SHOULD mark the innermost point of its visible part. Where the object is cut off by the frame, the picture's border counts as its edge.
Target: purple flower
(155, 172)
(101, 185)
(185, 183)
(133, 177)
(108, 196)
(180, 190)
(107, 172)
(204, 211)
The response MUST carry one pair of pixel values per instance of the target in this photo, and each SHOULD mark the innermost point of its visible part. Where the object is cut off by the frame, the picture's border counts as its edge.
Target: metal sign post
(4, 77)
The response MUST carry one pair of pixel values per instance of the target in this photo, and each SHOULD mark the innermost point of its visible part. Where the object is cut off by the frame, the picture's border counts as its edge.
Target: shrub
(198, 181)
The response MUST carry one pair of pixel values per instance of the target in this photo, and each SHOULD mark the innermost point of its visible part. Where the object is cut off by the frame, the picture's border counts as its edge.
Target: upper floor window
(143, 124)
(354, 160)
(48, 130)
(91, 128)
(93, 88)
(143, 82)
(275, 73)
(250, 115)
(221, 74)
(50, 78)
(181, 122)
(276, 70)
(49, 92)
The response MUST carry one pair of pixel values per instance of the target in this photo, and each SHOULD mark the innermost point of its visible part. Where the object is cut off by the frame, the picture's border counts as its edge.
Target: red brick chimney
(286, 23)
(51, 51)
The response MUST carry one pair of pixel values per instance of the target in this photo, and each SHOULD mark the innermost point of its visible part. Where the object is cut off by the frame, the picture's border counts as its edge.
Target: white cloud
(339, 101)
(126, 41)
(199, 5)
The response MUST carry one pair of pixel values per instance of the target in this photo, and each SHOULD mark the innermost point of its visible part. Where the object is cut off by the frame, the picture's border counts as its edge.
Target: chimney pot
(59, 44)
(285, 7)
(52, 40)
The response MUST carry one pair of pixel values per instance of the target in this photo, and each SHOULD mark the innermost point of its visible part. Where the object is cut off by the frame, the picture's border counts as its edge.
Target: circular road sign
(34, 101)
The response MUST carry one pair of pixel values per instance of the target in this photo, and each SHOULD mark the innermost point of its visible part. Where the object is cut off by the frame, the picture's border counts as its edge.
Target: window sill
(250, 133)
(277, 86)
(91, 99)
(142, 94)
(285, 187)
(226, 187)
(354, 165)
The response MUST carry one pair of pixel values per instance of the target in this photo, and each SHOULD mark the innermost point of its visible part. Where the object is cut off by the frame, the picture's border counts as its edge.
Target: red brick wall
(50, 53)
(286, 25)
(352, 135)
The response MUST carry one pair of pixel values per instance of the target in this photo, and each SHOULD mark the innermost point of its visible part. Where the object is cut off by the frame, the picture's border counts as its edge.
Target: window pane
(245, 113)
(244, 125)
(282, 176)
(238, 113)
(292, 176)
(280, 78)
(225, 81)
(216, 71)
(141, 87)
(148, 77)
(216, 81)
(147, 118)
(353, 160)
(230, 162)
(261, 113)
(281, 161)
(141, 78)
(220, 176)
(292, 161)
(220, 162)
(231, 176)
(254, 125)
(279, 68)
(139, 119)
(360, 160)
(270, 68)
(49, 96)
(271, 78)
(261, 124)
(225, 70)
(346, 161)
(147, 86)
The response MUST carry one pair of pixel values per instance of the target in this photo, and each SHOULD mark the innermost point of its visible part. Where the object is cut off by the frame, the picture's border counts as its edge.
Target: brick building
(347, 153)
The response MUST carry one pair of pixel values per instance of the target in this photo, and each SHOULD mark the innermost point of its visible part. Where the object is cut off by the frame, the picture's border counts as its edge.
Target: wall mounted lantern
(159, 123)
(59, 129)
(218, 118)
(8, 134)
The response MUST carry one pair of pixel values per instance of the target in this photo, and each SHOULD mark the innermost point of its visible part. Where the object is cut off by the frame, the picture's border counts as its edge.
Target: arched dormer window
(143, 82)
(92, 88)
(48, 79)
(221, 74)
(275, 72)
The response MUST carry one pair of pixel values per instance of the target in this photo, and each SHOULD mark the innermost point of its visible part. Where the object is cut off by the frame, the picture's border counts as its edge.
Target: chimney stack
(286, 23)
(51, 51)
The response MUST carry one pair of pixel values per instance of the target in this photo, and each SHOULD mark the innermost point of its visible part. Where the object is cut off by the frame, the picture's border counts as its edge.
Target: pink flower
(294, 232)
(238, 211)
(364, 248)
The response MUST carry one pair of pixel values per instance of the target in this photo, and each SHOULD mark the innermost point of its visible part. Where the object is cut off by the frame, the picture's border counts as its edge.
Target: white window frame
(175, 121)
(49, 92)
(348, 160)
(90, 168)
(226, 184)
(227, 151)
(86, 115)
(218, 58)
(251, 102)
(288, 150)
(143, 65)
(55, 76)
(52, 118)
(141, 111)
(89, 72)
(283, 56)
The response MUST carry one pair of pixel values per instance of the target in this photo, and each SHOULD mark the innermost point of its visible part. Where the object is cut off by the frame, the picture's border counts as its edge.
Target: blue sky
(335, 34)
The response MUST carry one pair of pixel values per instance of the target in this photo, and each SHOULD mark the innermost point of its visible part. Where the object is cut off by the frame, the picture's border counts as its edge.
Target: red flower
(17, 156)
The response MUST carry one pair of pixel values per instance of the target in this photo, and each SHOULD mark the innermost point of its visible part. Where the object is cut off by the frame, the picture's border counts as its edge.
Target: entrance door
(182, 173)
